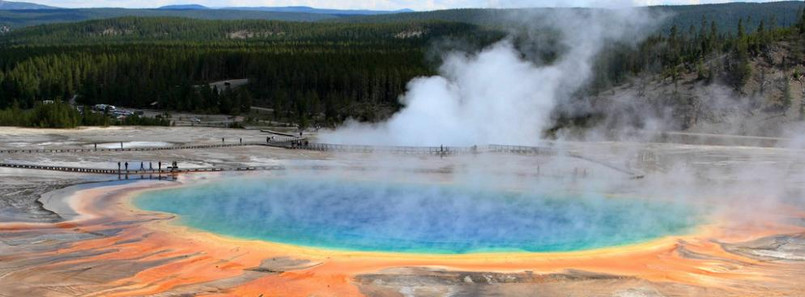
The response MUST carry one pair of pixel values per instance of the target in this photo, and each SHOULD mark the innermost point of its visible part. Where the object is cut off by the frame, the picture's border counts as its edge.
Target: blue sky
(375, 4)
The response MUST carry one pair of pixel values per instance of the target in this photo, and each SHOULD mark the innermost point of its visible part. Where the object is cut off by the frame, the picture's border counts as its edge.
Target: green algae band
(348, 215)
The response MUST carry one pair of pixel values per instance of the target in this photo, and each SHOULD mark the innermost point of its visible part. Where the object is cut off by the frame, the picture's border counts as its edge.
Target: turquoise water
(415, 218)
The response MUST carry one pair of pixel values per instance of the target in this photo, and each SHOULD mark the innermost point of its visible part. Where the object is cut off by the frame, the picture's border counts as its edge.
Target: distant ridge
(725, 16)
(295, 9)
(184, 7)
(7, 5)
(15, 19)
(307, 9)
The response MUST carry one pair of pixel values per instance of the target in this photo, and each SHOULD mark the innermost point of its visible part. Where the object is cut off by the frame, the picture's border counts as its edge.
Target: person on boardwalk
(142, 166)
(160, 166)
(127, 166)
(118, 167)
(241, 141)
(222, 140)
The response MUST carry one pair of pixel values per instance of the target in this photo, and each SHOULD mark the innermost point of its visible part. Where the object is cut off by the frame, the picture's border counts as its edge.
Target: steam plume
(497, 96)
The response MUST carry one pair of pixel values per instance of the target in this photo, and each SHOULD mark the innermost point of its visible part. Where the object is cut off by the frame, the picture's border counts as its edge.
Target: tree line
(296, 84)
(58, 114)
(312, 74)
(713, 52)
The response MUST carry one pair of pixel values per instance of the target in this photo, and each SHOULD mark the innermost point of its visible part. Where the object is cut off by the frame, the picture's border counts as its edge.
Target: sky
(377, 4)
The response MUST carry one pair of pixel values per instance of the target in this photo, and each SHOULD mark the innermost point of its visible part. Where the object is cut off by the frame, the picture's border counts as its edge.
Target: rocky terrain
(705, 99)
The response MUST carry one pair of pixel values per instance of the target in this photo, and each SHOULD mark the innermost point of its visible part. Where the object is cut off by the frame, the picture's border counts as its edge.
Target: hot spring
(415, 218)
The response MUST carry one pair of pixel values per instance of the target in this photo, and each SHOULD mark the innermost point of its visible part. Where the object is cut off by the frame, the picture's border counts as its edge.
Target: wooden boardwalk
(137, 149)
(301, 144)
(429, 150)
(139, 172)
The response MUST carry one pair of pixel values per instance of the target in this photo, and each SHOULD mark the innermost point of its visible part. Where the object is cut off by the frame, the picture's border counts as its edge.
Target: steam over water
(349, 215)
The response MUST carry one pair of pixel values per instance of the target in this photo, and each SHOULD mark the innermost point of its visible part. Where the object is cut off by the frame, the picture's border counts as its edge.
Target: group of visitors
(299, 143)
(125, 166)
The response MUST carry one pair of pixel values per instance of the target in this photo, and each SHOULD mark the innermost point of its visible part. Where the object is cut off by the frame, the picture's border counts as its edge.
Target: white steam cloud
(496, 96)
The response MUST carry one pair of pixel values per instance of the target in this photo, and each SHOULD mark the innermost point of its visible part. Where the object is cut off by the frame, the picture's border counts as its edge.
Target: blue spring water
(415, 218)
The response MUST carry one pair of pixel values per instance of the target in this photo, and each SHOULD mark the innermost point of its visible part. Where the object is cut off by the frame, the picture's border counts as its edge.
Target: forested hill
(132, 29)
(321, 73)
(7, 5)
(23, 18)
(413, 25)
(724, 15)
(308, 73)
(307, 9)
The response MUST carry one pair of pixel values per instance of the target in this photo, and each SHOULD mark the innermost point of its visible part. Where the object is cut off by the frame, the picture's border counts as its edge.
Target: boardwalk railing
(134, 149)
(519, 149)
(139, 172)
(385, 149)
(433, 150)
(443, 150)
